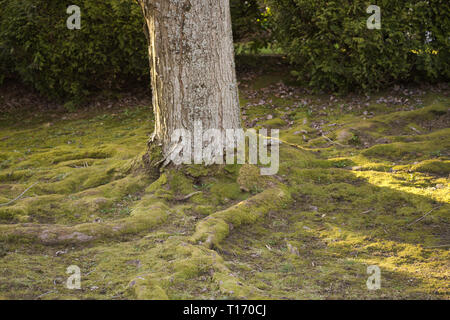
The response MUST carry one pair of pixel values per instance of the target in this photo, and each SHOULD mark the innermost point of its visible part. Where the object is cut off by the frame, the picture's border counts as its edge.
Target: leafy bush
(108, 51)
(251, 24)
(333, 49)
(37, 46)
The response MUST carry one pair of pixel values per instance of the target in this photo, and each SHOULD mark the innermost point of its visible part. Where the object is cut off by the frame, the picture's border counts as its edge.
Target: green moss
(146, 215)
(15, 175)
(406, 151)
(180, 183)
(434, 167)
(251, 180)
(204, 210)
(226, 191)
(406, 118)
(158, 184)
(382, 201)
(275, 123)
(146, 289)
(199, 170)
(216, 227)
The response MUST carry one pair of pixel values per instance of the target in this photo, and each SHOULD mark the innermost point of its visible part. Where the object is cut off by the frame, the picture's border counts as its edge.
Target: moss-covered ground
(363, 180)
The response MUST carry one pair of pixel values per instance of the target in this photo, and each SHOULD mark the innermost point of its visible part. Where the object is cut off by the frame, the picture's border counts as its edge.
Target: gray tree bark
(192, 66)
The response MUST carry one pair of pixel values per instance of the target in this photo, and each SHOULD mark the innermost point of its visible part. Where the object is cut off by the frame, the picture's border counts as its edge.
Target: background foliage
(38, 48)
(327, 42)
(251, 25)
(108, 52)
(334, 50)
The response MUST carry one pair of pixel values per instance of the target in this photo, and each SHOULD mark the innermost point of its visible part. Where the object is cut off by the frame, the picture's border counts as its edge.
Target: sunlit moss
(376, 194)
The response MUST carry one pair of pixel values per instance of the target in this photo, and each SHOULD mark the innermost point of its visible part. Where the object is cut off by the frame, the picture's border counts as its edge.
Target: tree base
(153, 159)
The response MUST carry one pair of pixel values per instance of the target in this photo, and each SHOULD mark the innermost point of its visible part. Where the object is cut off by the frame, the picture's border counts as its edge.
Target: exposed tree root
(152, 160)
(198, 256)
(215, 228)
(194, 260)
(142, 218)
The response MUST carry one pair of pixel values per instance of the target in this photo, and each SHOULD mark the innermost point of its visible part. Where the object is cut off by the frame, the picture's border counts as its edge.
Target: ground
(363, 180)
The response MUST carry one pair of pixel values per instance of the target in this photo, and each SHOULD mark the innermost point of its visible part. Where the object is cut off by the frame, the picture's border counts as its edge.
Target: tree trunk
(192, 67)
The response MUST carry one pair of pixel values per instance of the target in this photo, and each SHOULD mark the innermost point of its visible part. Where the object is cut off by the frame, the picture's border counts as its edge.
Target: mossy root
(141, 219)
(215, 228)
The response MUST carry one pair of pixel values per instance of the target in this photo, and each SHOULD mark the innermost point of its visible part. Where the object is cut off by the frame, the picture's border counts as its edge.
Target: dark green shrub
(251, 26)
(433, 58)
(37, 46)
(109, 50)
(333, 49)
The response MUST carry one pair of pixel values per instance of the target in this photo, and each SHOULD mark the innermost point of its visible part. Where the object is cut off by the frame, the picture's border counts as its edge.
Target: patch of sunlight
(414, 183)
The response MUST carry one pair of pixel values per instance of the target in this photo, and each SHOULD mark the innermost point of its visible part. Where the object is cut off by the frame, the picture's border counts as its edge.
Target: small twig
(44, 294)
(441, 246)
(423, 217)
(333, 142)
(188, 196)
(89, 272)
(20, 196)
(415, 130)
